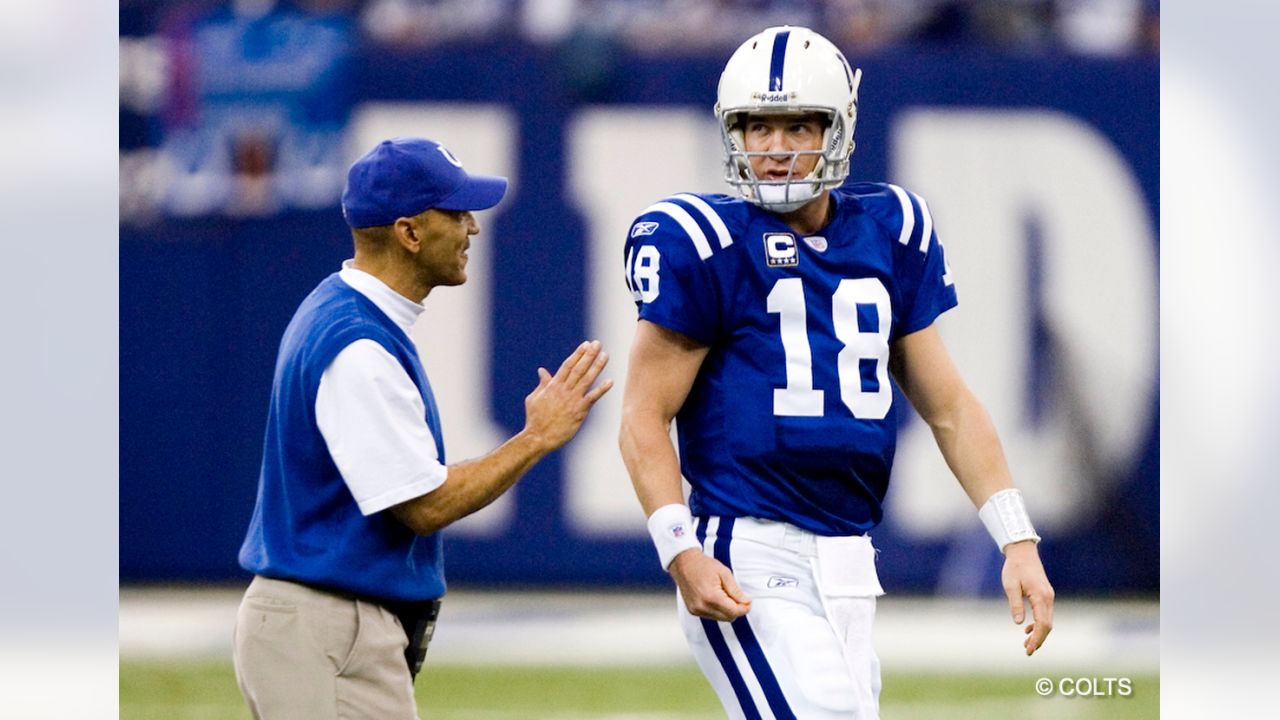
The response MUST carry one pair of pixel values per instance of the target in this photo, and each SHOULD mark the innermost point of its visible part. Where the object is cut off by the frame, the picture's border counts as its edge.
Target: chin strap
(785, 198)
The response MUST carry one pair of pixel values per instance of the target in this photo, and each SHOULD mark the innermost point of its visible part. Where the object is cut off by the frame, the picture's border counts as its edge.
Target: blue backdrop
(204, 300)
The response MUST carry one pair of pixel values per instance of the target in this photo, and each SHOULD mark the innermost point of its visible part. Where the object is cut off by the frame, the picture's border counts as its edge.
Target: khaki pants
(305, 654)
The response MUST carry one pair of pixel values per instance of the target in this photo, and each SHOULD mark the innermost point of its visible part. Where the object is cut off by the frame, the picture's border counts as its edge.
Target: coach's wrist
(537, 445)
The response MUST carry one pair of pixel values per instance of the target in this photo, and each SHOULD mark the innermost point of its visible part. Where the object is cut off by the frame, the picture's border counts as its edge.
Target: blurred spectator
(1100, 27)
(862, 26)
(238, 106)
(686, 27)
(690, 27)
(1149, 40)
(1021, 25)
(246, 104)
(421, 23)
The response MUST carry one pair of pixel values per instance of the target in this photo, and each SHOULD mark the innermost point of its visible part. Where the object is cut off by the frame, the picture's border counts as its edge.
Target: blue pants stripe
(739, 685)
(721, 648)
(747, 637)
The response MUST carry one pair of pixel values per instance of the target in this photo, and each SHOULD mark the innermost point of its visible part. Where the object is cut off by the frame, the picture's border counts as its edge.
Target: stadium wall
(1042, 174)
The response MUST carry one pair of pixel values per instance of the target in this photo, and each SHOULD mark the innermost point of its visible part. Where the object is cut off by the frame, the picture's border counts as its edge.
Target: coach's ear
(408, 232)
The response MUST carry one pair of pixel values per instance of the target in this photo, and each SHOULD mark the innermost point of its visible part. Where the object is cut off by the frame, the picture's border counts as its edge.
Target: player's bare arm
(969, 444)
(554, 411)
(661, 370)
(663, 365)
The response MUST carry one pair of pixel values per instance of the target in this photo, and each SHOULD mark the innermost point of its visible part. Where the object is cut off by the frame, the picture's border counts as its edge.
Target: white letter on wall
(620, 162)
(986, 174)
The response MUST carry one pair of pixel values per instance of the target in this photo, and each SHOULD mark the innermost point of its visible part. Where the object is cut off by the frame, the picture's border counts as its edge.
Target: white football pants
(804, 650)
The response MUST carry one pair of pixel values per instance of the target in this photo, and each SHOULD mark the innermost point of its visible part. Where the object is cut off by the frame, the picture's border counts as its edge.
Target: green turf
(207, 691)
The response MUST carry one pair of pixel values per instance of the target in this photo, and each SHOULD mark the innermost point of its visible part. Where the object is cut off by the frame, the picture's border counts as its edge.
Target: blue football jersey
(791, 416)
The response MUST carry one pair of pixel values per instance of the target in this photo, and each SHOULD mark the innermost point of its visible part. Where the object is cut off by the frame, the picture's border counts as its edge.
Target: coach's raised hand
(553, 413)
(557, 407)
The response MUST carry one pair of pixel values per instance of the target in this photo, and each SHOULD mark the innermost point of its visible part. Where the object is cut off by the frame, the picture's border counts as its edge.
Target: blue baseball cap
(405, 176)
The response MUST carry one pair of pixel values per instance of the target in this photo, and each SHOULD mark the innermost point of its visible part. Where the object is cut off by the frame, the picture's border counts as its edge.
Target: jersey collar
(402, 311)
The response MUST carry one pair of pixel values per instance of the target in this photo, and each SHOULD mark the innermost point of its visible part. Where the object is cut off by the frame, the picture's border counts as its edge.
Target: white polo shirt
(371, 414)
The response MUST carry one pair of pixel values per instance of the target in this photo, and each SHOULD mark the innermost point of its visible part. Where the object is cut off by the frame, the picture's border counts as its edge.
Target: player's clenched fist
(708, 587)
(556, 408)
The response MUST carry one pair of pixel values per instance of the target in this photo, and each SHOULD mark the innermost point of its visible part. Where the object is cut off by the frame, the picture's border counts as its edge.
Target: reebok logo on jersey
(777, 581)
(641, 229)
(780, 250)
(817, 243)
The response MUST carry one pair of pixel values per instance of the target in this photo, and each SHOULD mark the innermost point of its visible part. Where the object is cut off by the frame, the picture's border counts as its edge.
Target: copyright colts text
(1099, 687)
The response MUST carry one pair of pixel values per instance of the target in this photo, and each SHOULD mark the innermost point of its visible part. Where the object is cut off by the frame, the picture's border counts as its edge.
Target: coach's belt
(418, 618)
(419, 622)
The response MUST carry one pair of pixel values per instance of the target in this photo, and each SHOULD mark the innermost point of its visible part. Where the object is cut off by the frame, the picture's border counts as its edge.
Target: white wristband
(671, 527)
(1005, 516)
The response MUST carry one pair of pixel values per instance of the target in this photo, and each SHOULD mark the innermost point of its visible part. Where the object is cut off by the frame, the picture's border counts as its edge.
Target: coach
(353, 490)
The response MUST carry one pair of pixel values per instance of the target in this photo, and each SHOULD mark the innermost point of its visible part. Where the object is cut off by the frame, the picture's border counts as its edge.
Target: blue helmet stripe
(779, 58)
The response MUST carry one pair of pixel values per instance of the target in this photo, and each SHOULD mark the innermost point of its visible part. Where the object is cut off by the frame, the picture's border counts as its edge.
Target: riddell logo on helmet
(772, 97)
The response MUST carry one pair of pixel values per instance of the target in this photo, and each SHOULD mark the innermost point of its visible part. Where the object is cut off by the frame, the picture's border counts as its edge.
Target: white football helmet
(788, 70)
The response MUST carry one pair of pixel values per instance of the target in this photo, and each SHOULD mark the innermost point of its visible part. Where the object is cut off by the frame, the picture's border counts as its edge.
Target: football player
(769, 325)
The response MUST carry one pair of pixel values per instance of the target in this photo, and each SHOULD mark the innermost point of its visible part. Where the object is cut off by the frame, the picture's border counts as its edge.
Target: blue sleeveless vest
(306, 526)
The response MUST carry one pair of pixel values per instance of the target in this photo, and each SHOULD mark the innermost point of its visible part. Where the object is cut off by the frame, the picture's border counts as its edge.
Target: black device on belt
(418, 618)
(419, 622)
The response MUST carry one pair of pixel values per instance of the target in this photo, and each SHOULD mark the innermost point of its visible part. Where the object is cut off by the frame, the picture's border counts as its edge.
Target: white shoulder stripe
(686, 221)
(908, 215)
(713, 217)
(928, 223)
